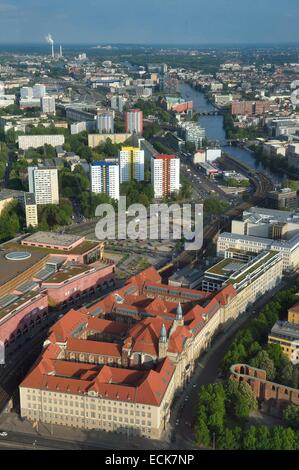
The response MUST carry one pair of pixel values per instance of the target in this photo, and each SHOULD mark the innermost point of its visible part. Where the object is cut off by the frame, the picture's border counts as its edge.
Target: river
(215, 131)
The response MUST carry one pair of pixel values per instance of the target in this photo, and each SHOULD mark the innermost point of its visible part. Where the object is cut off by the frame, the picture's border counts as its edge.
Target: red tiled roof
(149, 274)
(295, 308)
(225, 294)
(105, 326)
(154, 310)
(117, 384)
(178, 338)
(93, 347)
(145, 334)
(64, 327)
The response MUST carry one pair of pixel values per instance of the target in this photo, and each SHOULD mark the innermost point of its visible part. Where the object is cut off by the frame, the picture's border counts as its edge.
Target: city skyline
(189, 22)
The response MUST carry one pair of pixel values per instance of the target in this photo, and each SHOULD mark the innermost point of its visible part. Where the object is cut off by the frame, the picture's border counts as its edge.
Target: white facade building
(43, 182)
(48, 104)
(35, 141)
(77, 127)
(39, 91)
(131, 164)
(165, 175)
(105, 123)
(212, 154)
(30, 210)
(250, 244)
(26, 92)
(104, 176)
(134, 121)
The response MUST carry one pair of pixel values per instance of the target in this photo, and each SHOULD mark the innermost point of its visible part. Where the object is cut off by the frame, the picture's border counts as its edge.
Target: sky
(150, 21)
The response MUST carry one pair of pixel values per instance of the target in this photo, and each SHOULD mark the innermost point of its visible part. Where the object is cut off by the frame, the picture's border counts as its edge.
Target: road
(208, 368)
(183, 409)
(204, 186)
(18, 440)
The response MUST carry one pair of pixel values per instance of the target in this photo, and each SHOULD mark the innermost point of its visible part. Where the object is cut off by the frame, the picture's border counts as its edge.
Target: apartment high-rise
(104, 176)
(26, 92)
(43, 182)
(131, 164)
(165, 174)
(117, 103)
(39, 91)
(134, 121)
(105, 123)
(30, 210)
(48, 105)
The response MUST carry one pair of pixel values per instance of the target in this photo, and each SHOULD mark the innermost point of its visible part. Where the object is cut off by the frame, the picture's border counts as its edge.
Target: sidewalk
(198, 378)
(11, 422)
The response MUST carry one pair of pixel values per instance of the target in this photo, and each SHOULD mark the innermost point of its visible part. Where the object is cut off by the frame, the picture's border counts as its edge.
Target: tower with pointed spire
(179, 315)
(163, 342)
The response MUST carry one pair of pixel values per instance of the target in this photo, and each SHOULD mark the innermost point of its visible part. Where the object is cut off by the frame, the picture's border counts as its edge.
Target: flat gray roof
(286, 330)
(236, 236)
(268, 243)
(53, 238)
(186, 274)
(280, 216)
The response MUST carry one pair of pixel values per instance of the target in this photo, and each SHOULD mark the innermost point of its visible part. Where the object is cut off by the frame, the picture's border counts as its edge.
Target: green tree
(202, 433)
(262, 438)
(292, 184)
(291, 416)
(240, 398)
(249, 439)
(10, 221)
(51, 215)
(263, 361)
(282, 438)
(215, 206)
(229, 439)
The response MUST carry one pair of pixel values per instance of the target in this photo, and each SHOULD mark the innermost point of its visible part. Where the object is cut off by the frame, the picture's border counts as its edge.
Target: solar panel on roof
(96, 311)
(27, 286)
(7, 300)
(119, 299)
(44, 273)
(131, 290)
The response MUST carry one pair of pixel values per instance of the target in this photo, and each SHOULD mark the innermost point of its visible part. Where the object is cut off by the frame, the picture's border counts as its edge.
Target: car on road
(3, 434)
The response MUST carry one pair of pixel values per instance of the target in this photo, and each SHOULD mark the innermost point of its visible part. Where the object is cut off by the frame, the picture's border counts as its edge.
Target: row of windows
(49, 397)
(81, 405)
(105, 422)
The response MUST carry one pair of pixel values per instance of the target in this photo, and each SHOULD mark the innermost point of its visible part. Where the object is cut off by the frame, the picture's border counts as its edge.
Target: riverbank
(213, 124)
(216, 134)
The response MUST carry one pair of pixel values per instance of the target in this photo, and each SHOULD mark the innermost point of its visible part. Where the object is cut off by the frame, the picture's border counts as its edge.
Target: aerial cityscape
(149, 227)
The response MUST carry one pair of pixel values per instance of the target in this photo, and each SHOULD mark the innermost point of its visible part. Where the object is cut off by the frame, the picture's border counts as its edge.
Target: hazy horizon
(170, 22)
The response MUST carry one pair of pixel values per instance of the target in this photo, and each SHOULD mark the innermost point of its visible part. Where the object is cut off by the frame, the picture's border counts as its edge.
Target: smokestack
(50, 41)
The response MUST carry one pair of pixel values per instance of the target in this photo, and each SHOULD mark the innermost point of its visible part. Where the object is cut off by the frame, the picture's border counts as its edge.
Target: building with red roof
(117, 364)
